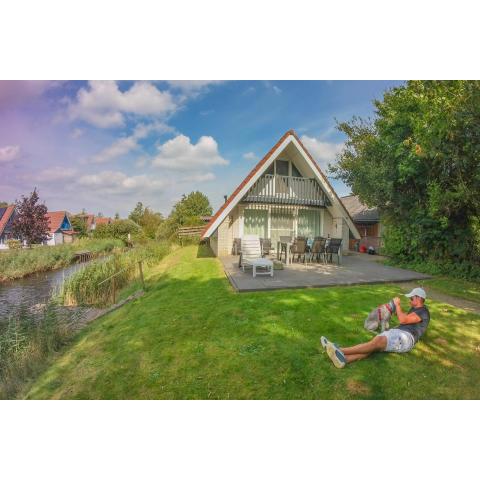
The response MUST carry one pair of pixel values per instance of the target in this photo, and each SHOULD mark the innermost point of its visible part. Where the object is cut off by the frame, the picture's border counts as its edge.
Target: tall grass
(90, 286)
(20, 263)
(26, 341)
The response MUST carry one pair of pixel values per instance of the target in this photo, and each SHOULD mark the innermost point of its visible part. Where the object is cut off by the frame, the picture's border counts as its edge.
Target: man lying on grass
(401, 339)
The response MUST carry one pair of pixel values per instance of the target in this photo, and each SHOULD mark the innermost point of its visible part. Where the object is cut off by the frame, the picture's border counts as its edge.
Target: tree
(117, 216)
(137, 213)
(30, 223)
(79, 225)
(118, 229)
(418, 161)
(190, 208)
(146, 218)
(186, 212)
(4, 204)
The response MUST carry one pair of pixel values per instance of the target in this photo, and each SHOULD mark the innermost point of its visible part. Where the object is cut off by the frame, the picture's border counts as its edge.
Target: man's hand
(396, 301)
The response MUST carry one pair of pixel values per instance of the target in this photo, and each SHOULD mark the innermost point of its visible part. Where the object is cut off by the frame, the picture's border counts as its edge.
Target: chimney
(225, 197)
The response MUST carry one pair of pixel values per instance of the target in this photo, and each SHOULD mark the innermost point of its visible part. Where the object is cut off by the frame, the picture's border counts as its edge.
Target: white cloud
(118, 183)
(323, 152)
(199, 177)
(9, 153)
(180, 154)
(250, 156)
(55, 174)
(103, 104)
(124, 145)
(192, 87)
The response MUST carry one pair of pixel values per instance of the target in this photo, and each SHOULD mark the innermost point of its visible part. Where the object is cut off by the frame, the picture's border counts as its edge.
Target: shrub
(13, 244)
(118, 229)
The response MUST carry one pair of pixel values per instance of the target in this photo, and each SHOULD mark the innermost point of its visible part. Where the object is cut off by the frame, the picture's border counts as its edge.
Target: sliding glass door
(309, 223)
(256, 222)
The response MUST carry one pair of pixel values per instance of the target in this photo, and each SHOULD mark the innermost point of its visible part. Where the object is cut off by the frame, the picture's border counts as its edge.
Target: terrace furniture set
(253, 251)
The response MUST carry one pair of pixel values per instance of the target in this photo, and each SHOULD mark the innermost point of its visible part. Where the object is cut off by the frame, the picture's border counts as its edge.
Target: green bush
(118, 229)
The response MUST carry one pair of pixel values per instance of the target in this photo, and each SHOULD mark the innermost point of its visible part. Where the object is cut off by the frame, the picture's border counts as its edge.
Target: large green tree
(418, 160)
(186, 212)
(146, 218)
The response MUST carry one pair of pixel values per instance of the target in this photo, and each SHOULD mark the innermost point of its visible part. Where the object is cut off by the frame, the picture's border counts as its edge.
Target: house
(286, 194)
(7, 216)
(367, 221)
(89, 220)
(103, 221)
(59, 228)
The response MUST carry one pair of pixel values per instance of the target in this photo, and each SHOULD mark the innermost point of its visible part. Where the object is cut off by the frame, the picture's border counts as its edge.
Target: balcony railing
(287, 190)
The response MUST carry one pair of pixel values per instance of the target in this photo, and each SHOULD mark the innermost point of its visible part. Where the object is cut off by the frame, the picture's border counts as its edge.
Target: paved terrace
(355, 269)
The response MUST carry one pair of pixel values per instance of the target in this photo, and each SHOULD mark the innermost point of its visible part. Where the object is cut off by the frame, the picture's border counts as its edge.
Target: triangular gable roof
(55, 220)
(6, 217)
(257, 171)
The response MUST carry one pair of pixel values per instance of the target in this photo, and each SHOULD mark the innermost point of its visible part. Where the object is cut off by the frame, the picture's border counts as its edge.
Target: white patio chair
(252, 256)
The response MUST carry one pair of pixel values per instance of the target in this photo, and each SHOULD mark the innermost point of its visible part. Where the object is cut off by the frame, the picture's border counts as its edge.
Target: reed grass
(93, 284)
(16, 264)
(27, 341)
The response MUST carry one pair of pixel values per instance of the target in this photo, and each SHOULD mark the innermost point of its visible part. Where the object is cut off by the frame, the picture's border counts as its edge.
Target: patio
(355, 269)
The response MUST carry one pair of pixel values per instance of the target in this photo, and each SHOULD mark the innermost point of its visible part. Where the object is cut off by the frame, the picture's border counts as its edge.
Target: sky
(103, 146)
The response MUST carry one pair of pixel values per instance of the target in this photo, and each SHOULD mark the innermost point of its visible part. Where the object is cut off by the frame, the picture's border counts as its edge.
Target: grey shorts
(398, 341)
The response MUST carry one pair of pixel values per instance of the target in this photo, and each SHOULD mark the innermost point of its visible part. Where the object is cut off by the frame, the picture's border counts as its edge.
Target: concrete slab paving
(355, 269)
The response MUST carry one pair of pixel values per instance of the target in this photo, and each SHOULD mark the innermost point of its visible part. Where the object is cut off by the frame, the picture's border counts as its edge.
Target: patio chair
(251, 255)
(237, 246)
(299, 248)
(283, 247)
(318, 249)
(266, 245)
(333, 248)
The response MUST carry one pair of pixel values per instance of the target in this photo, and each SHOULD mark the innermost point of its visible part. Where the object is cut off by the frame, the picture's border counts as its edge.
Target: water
(30, 294)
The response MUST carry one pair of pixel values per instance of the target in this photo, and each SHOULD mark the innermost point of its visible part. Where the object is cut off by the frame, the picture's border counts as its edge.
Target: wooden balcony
(283, 190)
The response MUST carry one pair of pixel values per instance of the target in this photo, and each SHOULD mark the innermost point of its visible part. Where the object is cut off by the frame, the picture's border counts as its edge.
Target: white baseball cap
(419, 292)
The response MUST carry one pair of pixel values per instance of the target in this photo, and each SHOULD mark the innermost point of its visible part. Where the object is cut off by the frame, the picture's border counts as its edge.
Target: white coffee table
(261, 263)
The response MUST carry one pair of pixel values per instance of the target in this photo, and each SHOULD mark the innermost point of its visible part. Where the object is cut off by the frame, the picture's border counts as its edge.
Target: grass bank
(191, 336)
(21, 263)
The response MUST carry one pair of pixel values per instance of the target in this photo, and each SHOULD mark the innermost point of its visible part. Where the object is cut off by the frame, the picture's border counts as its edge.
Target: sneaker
(324, 342)
(336, 355)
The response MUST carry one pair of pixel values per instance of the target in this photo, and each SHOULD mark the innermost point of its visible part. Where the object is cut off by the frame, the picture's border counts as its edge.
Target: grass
(455, 287)
(16, 264)
(191, 336)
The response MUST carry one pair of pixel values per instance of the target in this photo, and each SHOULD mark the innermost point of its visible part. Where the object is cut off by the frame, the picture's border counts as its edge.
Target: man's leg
(356, 356)
(376, 344)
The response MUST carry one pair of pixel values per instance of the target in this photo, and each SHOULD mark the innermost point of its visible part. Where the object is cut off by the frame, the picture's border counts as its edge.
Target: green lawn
(455, 287)
(191, 336)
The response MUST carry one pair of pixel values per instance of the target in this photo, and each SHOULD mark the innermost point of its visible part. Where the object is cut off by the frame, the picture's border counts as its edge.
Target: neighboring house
(103, 221)
(59, 228)
(286, 194)
(7, 216)
(367, 221)
(88, 219)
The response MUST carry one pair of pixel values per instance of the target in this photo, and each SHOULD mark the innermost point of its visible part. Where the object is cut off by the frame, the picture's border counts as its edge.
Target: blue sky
(103, 146)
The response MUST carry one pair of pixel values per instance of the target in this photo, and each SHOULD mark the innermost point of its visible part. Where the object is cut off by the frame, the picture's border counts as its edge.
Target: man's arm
(403, 318)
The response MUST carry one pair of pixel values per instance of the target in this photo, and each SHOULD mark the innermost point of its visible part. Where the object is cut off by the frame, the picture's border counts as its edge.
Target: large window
(256, 222)
(309, 223)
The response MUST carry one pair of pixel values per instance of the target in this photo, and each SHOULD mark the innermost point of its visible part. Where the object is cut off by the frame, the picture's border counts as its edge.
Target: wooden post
(141, 274)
